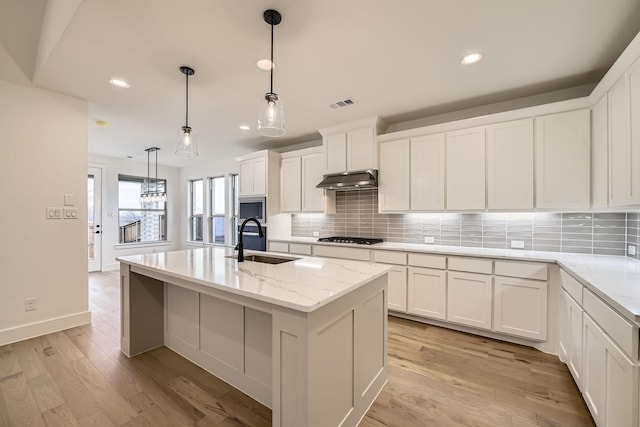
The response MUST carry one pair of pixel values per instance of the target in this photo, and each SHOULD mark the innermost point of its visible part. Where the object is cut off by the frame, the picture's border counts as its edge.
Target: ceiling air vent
(343, 103)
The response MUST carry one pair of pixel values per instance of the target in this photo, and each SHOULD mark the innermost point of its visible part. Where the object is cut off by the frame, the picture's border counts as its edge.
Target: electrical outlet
(429, 239)
(631, 250)
(517, 244)
(29, 304)
(316, 234)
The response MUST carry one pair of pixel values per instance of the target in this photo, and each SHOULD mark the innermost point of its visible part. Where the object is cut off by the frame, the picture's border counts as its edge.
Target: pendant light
(271, 118)
(155, 196)
(187, 141)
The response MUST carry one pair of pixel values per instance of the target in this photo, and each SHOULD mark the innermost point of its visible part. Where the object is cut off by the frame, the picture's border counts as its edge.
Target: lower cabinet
(397, 289)
(570, 335)
(427, 292)
(610, 381)
(469, 299)
(520, 307)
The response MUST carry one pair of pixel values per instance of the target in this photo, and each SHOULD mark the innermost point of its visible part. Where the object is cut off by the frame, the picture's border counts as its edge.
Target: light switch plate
(70, 213)
(54, 213)
(69, 200)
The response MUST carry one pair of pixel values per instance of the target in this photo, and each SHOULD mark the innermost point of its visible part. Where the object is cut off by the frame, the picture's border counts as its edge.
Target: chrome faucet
(240, 247)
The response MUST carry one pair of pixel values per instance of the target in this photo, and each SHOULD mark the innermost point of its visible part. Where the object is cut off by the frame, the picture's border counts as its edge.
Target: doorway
(94, 218)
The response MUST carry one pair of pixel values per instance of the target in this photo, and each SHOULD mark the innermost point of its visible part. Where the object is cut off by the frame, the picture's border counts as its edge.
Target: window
(140, 222)
(216, 210)
(196, 210)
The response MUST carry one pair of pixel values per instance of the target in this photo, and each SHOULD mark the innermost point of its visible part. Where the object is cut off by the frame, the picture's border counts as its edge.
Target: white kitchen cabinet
(291, 184)
(563, 158)
(470, 299)
(619, 153)
(510, 165)
(520, 307)
(634, 135)
(394, 183)
(610, 382)
(599, 154)
(570, 335)
(313, 198)
(253, 177)
(351, 147)
(466, 169)
(427, 172)
(397, 289)
(427, 292)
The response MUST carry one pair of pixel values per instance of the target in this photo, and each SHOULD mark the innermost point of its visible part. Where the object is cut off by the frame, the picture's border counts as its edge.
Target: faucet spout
(240, 247)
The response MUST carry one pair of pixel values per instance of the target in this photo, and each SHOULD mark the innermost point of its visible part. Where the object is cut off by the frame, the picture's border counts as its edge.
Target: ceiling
(398, 60)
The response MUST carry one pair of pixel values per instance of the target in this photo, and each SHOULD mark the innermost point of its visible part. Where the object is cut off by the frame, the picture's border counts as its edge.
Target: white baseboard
(111, 266)
(19, 333)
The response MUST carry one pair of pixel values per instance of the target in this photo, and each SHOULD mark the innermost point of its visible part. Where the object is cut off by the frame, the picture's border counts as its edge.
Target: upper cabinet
(510, 165)
(599, 154)
(466, 169)
(260, 176)
(394, 182)
(253, 177)
(351, 147)
(619, 161)
(563, 156)
(300, 172)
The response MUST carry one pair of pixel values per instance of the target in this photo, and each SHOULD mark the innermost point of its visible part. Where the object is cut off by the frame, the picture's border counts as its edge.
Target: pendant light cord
(186, 118)
(156, 171)
(271, 89)
(148, 175)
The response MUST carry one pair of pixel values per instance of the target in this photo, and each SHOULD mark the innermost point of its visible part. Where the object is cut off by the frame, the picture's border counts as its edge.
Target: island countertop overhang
(304, 284)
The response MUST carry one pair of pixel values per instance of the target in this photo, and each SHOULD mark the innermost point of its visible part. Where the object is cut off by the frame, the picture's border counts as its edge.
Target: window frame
(164, 217)
(211, 214)
(191, 216)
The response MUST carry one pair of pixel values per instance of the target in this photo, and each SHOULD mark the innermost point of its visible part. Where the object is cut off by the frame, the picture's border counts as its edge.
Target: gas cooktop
(356, 240)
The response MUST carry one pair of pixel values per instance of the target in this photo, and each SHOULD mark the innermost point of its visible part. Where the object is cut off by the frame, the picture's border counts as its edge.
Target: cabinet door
(335, 152)
(564, 337)
(634, 136)
(621, 388)
(574, 360)
(619, 160)
(312, 197)
(397, 297)
(427, 173)
(246, 178)
(520, 307)
(260, 176)
(361, 149)
(394, 180)
(466, 169)
(510, 165)
(469, 299)
(563, 156)
(427, 292)
(599, 154)
(593, 380)
(290, 183)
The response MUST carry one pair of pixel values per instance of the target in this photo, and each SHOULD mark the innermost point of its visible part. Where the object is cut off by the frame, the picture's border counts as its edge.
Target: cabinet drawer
(299, 248)
(390, 257)
(524, 270)
(278, 247)
(341, 252)
(471, 265)
(572, 286)
(622, 332)
(428, 261)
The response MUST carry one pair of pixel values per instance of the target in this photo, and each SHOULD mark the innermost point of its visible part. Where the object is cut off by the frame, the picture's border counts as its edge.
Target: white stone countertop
(616, 279)
(305, 284)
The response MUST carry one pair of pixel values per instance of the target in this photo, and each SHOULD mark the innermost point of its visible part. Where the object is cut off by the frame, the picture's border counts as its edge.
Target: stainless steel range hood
(360, 180)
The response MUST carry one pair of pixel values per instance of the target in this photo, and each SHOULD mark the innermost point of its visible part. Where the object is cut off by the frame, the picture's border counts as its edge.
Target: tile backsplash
(357, 215)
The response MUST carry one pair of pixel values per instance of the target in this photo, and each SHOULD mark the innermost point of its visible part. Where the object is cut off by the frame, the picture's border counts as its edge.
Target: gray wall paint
(581, 232)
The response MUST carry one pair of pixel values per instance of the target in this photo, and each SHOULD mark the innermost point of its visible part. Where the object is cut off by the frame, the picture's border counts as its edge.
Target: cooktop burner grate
(355, 240)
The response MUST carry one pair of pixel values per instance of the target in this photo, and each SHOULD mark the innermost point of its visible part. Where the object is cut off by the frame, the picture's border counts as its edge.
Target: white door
(94, 218)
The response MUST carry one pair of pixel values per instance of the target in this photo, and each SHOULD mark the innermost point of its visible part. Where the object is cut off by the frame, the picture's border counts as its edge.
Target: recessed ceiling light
(265, 64)
(244, 127)
(119, 83)
(471, 58)
(101, 123)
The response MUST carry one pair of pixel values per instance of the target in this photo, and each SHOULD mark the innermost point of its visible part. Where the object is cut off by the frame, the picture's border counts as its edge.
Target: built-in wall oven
(253, 207)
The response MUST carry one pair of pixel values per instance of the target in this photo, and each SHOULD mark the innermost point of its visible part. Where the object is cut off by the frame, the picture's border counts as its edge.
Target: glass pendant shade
(271, 118)
(187, 142)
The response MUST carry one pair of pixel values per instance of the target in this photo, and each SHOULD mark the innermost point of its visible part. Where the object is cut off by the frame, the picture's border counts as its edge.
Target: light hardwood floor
(437, 377)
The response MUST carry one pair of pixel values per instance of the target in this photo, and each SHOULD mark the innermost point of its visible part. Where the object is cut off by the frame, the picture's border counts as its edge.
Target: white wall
(204, 170)
(43, 156)
(111, 248)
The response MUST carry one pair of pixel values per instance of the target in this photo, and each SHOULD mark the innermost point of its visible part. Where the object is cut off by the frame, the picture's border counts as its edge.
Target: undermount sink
(266, 259)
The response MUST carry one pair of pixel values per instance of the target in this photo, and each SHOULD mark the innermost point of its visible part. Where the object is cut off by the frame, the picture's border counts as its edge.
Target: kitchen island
(306, 337)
